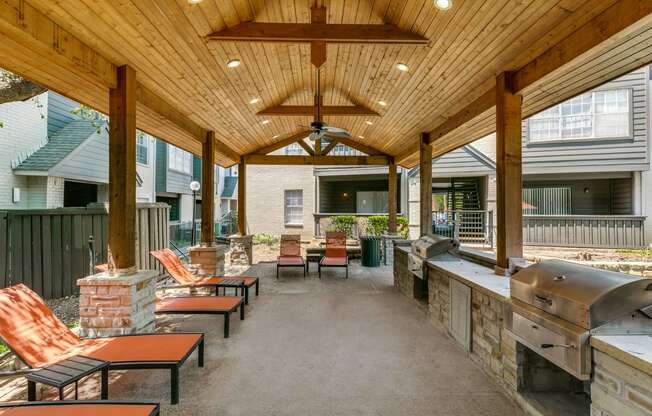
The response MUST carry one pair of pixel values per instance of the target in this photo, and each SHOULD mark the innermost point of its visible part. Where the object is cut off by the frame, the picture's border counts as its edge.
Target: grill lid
(583, 295)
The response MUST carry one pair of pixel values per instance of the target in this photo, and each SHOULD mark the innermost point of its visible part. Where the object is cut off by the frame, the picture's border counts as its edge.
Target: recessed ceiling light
(233, 63)
(195, 1)
(254, 100)
(382, 103)
(444, 4)
(266, 121)
(276, 136)
(402, 67)
(371, 123)
(360, 137)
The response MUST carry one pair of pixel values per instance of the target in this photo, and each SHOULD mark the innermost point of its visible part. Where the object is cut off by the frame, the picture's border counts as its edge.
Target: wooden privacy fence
(48, 249)
(606, 231)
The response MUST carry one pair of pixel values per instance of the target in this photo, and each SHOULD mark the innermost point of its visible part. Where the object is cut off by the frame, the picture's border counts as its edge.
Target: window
(179, 160)
(599, 114)
(547, 200)
(294, 149)
(142, 149)
(294, 207)
(372, 202)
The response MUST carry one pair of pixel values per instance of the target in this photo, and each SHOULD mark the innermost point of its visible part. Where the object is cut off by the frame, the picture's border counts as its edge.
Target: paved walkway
(324, 347)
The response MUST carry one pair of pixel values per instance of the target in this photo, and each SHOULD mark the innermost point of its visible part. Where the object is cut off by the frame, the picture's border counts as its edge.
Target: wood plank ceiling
(164, 40)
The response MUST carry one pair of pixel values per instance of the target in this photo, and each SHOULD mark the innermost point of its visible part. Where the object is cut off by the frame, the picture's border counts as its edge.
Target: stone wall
(617, 389)
(403, 279)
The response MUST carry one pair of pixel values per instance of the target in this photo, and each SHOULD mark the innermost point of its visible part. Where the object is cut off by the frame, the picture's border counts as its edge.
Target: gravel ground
(66, 309)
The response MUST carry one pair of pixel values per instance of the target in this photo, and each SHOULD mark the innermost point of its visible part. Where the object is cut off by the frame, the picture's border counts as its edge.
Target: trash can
(370, 247)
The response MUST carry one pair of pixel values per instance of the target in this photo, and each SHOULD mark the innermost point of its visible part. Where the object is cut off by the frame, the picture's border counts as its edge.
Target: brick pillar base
(208, 260)
(117, 305)
(241, 250)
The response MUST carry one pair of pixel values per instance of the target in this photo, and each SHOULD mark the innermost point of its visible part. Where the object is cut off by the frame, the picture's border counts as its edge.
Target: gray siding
(178, 183)
(597, 155)
(460, 162)
(60, 112)
(89, 162)
(161, 165)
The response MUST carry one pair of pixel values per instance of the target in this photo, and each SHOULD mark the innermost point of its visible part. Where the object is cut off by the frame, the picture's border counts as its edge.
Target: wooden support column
(208, 190)
(425, 165)
(242, 197)
(508, 172)
(122, 170)
(391, 199)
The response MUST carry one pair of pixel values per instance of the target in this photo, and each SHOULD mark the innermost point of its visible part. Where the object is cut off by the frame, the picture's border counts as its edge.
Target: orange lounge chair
(185, 278)
(290, 253)
(202, 305)
(335, 255)
(79, 408)
(39, 339)
(191, 305)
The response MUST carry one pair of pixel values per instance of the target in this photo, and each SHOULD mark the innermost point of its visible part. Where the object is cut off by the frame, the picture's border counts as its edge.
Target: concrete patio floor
(322, 347)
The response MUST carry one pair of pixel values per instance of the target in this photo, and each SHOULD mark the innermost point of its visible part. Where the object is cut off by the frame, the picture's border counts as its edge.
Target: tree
(16, 88)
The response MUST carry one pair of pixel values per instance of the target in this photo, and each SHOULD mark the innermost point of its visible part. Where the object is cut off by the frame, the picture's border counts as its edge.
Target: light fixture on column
(194, 187)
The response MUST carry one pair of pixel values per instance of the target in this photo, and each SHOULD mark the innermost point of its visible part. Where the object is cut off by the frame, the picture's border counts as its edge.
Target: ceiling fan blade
(336, 131)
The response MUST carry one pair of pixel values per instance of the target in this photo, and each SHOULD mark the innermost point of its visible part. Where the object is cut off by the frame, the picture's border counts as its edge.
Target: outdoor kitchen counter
(633, 350)
(474, 275)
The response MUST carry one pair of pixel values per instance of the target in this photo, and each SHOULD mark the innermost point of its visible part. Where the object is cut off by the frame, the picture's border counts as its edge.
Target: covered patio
(401, 82)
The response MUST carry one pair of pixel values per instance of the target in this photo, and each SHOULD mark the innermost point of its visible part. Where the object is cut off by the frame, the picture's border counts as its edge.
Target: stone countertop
(474, 275)
(633, 350)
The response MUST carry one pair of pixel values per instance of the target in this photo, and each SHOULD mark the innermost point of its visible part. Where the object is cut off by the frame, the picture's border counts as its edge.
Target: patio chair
(290, 255)
(39, 338)
(335, 255)
(196, 305)
(186, 279)
(80, 408)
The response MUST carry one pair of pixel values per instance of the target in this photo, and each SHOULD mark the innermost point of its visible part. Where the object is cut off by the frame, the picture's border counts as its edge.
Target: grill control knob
(559, 278)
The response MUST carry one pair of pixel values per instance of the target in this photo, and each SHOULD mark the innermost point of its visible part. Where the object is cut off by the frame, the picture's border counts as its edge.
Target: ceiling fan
(318, 127)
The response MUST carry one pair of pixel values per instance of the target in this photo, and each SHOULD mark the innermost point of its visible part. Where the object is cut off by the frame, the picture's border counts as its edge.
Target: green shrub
(3, 348)
(267, 239)
(343, 223)
(379, 225)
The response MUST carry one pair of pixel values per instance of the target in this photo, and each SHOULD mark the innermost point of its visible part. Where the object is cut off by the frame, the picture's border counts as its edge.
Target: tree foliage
(16, 88)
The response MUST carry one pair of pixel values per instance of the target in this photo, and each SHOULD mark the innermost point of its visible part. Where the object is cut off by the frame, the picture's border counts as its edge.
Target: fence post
(456, 225)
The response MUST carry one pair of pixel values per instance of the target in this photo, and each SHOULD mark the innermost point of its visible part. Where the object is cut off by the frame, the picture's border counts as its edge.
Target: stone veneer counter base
(622, 382)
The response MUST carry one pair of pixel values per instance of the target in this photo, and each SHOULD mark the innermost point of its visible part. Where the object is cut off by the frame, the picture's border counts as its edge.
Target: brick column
(117, 305)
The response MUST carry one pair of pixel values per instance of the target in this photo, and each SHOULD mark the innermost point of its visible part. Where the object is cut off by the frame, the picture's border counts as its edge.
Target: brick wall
(24, 130)
(266, 187)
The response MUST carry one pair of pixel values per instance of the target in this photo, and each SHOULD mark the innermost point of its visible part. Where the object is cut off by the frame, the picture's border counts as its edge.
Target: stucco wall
(266, 187)
(24, 130)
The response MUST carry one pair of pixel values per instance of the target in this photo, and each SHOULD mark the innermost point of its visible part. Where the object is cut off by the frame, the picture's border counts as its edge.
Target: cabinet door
(459, 317)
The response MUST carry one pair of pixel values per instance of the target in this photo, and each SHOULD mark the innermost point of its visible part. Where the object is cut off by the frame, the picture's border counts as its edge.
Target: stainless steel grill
(558, 305)
(427, 247)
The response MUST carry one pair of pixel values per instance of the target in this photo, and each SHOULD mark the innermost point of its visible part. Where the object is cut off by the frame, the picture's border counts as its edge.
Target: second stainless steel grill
(557, 306)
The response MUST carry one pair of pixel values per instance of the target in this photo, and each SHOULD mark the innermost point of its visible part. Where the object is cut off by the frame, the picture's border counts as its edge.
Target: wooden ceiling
(186, 88)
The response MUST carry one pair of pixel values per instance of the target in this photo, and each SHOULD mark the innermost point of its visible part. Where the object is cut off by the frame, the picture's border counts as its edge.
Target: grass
(643, 252)
(267, 239)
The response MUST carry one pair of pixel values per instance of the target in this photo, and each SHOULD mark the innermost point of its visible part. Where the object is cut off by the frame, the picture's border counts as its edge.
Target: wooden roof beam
(310, 32)
(329, 147)
(309, 111)
(51, 44)
(371, 151)
(257, 159)
(621, 15)
(293, 138)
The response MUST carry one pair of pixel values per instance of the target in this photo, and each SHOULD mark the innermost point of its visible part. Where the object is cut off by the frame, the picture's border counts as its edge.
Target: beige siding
(24, 130)
(266, 187)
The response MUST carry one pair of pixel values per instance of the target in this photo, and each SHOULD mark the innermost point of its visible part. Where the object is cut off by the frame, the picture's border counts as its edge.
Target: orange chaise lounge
(196, 305)
(186, 279)
(79, 408)
(40, 339)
